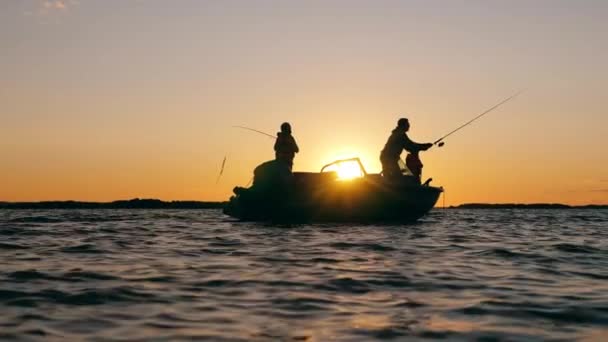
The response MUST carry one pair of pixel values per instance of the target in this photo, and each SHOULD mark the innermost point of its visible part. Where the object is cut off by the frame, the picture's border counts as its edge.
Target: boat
(279, 195)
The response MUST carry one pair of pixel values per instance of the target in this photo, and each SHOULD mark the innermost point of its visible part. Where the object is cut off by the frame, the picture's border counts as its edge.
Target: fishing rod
(255, 130)
(252, 130)
(221, 170)
(439, 142)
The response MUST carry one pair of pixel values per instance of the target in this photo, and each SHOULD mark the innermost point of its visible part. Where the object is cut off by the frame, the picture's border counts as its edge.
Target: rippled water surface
(195, 274)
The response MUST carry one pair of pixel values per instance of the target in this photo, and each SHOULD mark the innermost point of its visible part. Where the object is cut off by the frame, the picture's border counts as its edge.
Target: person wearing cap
(396, 143)
(285, 147)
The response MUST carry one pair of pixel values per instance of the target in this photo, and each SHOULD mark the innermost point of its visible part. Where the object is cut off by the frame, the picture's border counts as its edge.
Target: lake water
(529, 275)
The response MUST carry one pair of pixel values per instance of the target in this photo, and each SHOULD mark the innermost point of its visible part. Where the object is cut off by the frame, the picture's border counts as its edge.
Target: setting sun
(347, 169)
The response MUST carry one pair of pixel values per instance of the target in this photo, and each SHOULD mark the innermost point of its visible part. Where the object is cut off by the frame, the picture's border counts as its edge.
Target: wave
(121, 294)
(82, 248)
(366, 246)
(574, 248)
(6, 245)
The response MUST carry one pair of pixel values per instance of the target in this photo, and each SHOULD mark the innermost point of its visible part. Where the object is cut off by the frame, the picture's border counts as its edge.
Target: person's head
(286, 127)
(403, 124)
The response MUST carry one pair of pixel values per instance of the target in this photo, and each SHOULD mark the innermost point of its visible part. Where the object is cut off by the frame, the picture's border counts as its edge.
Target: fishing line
(252, 130)
(439, 141)
(255, 130)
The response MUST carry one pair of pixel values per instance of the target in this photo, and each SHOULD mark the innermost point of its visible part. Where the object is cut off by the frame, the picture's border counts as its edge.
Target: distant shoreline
(527, 206)
(158, 204)
(121, 204)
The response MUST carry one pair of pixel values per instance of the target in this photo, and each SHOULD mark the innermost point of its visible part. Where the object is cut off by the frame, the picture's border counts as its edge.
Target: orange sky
(115, 100)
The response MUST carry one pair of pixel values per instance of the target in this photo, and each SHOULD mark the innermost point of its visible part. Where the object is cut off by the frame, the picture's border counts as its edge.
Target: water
(169, 274)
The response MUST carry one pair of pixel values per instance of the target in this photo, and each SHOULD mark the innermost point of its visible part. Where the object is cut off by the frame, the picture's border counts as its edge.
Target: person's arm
(411, 146)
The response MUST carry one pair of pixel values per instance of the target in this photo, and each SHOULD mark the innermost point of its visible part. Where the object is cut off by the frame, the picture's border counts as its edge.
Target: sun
(348, 170)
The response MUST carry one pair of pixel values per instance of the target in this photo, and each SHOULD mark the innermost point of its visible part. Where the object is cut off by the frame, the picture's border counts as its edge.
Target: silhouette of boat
(323, 197)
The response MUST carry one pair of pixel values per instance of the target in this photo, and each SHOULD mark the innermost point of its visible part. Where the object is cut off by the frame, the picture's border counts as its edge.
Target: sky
(117, 99)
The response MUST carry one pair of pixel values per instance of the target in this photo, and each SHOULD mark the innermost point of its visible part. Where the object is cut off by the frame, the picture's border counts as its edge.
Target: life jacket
(285, 146)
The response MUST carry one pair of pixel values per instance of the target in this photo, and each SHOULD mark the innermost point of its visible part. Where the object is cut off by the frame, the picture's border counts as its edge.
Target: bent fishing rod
(249, 129)
(439, 142)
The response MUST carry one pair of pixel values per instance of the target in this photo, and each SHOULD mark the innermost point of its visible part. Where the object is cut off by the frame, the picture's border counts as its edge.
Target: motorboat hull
(318, 197)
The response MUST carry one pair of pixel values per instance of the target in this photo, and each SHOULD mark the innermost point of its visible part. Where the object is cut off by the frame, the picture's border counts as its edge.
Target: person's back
(285, 146)
(394, 145)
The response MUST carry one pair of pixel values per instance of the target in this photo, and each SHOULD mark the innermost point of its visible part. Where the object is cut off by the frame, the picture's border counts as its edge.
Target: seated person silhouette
(414, 164)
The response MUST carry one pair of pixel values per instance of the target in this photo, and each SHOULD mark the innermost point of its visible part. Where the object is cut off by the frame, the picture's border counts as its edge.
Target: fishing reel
(438, 143)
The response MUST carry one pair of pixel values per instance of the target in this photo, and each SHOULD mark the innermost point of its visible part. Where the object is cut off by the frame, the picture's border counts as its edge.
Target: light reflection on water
(173, 274)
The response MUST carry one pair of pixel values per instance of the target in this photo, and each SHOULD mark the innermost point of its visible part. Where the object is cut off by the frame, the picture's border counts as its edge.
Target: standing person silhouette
(285, 147)
(396, 143)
